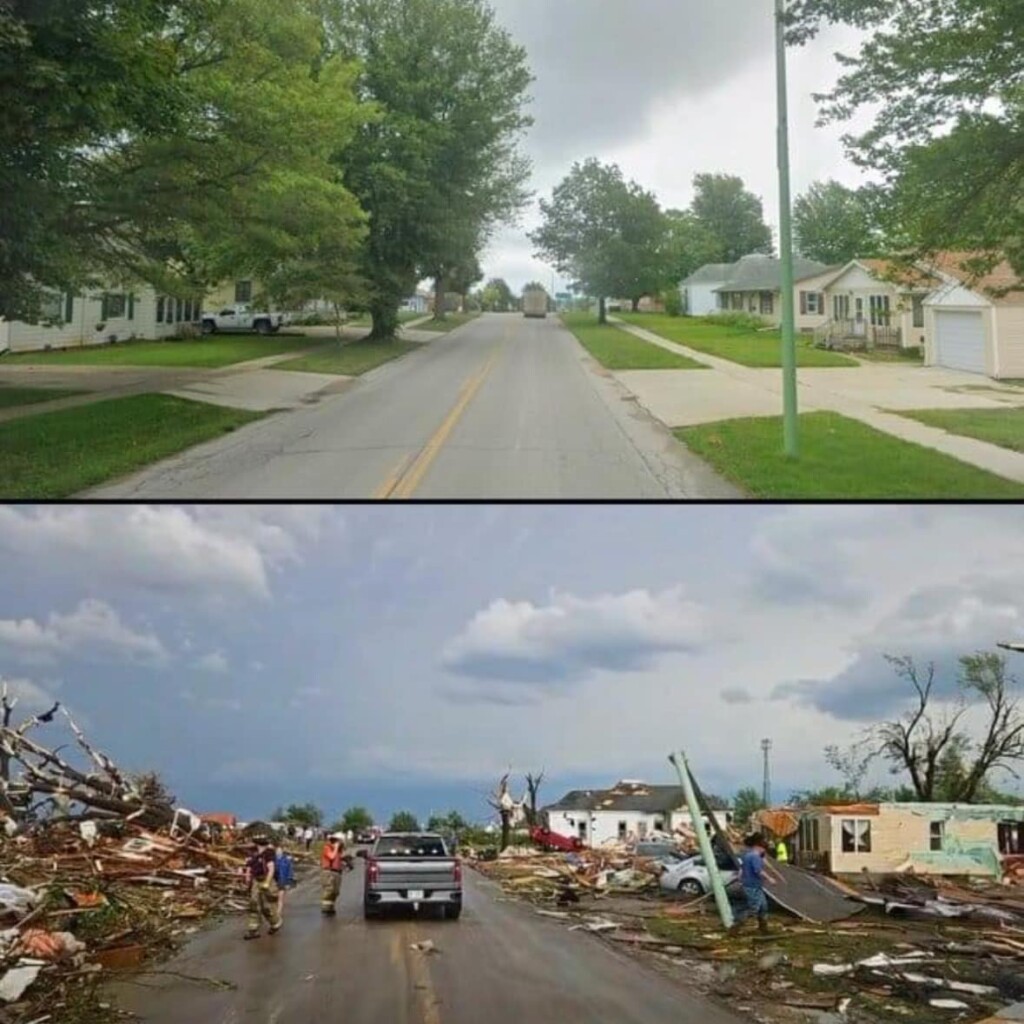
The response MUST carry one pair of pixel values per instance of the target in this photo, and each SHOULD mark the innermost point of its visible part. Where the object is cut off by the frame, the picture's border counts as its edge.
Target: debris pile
(563, 879)
(912, 896)
(98, 870)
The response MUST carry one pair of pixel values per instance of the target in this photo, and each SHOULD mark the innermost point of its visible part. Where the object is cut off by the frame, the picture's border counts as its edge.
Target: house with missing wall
(629, 811)
(933, 839)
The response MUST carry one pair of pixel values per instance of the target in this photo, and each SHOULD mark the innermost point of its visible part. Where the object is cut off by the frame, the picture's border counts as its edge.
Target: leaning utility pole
(766, 785)
(789, 388)
(710, 861)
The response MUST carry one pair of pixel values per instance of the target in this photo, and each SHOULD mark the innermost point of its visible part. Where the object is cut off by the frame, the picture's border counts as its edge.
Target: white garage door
(960, 341)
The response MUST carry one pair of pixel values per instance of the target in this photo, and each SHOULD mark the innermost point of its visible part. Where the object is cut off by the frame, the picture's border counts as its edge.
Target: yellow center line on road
(406, 478)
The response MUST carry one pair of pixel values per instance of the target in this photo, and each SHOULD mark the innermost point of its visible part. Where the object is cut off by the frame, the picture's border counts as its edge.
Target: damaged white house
(629, 811)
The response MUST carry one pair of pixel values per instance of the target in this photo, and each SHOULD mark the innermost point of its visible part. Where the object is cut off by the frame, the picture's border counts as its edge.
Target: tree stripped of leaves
(607, 234)
(948, 79)
(732, 216)
(833, 224)
(439, 166)
(930, 743)
(533, 784)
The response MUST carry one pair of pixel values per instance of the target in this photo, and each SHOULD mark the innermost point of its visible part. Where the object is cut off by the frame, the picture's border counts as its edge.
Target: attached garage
(975, 325)
(960, 340)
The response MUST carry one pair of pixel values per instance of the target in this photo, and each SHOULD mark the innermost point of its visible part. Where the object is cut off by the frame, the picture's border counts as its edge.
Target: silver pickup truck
(412, 869)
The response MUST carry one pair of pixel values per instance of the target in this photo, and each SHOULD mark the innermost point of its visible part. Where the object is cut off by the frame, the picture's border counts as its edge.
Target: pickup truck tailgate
(415, 873)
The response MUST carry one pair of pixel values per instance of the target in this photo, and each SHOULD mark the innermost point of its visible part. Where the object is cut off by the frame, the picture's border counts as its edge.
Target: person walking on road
(332, 863)
(284, 877)
(308, 837)
(753, 871)
(263, 901)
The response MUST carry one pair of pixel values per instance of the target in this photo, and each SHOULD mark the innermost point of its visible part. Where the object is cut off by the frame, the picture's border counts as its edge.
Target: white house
(100, 317)
(975, 323)
(754, 285)
(418, 303)
(698, 290)
(630, 810)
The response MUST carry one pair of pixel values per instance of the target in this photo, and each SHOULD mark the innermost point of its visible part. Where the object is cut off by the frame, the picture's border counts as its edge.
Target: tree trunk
(506, 829)
(439, 309)
(385, 320)
(602, 312)
(636, 305)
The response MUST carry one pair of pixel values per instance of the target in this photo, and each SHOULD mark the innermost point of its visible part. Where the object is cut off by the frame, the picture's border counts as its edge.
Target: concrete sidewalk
(237, 386)
(867, 393)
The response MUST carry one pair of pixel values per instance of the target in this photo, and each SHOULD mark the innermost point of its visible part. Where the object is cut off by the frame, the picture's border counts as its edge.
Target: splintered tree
(507, 807)
(533, 784)
(929, 741)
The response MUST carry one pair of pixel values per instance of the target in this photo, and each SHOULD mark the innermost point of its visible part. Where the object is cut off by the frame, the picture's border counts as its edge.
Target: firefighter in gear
(332, 864)
(259, 874)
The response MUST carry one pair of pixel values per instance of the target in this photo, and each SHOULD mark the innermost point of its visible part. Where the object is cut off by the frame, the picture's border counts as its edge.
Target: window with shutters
(114, 306)
(767, 303)
(52, 307)
(880, 315)
(919, 311)
(243, 291)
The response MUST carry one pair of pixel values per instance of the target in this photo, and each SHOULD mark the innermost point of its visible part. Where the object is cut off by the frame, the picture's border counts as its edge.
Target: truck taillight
(458, 871)
(372, 871)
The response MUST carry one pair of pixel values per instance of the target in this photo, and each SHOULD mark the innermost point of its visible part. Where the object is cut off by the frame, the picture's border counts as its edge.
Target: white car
(690, 877)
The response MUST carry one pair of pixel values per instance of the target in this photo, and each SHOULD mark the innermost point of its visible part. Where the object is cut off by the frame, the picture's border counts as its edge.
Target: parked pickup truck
(411, 869)
(241, 318)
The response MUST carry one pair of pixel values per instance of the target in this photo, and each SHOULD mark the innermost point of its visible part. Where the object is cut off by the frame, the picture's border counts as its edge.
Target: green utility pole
(717, 887)
(789, 391)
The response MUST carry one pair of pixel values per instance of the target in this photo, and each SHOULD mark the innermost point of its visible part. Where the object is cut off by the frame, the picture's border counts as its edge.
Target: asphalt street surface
(503, 408)
(500, 963)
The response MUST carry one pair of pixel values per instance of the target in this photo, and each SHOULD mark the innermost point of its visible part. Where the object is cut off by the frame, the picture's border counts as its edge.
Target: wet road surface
(499, 964)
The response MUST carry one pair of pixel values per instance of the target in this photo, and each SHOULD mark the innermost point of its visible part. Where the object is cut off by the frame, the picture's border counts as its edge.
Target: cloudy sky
(404, 657)
(666, 89)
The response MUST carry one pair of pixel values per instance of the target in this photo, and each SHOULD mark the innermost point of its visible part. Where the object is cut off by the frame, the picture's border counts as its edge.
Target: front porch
(851, 334)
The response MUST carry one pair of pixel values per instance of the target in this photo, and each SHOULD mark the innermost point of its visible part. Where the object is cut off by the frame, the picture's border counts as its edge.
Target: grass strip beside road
(12, 396)
(1004, 427)
(58, 454)
(758, 349)
(616, 349)
(350, 359)
(840, 459)
(450, 322)
(210, 352)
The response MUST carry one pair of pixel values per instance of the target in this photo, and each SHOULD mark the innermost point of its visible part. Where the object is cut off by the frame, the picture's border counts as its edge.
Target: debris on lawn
(99, 871)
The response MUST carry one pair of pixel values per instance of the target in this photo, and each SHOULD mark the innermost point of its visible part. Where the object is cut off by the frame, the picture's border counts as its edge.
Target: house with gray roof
(754, 285)
(629, 811)
(698, 290)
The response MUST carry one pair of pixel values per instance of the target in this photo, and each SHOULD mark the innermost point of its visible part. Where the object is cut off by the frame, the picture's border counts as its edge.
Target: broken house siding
(943, 839)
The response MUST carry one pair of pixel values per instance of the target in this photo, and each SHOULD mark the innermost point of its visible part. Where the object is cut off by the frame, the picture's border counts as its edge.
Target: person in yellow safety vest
(782, 852)
(332, 863)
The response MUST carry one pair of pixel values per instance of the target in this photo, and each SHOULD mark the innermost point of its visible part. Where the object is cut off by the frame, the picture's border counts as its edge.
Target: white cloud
(215, 661)
(92, 630)
(572, 637)
(223, 552)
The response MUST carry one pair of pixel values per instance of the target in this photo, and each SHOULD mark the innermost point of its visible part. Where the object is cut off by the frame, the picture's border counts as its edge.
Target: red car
(548, 840)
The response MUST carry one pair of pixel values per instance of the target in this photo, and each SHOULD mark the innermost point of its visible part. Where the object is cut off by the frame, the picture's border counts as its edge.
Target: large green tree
(834, 224)
(172, 141)
(691, 244)
(946, 81)
(356, 819)
(607, 234)
(731, 215)
(404, 821)
(440, 165)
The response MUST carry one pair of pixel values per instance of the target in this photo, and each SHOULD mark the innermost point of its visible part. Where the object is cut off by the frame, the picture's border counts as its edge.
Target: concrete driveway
(871, 392)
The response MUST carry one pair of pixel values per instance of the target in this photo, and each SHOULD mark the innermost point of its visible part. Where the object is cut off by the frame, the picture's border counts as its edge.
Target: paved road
(499, 964)
(503, 408)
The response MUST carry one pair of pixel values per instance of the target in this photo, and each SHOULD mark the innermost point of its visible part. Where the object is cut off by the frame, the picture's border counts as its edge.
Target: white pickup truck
(242, 318)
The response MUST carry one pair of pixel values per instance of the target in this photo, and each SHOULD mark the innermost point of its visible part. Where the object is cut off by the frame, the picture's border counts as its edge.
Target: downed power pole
(686, 781)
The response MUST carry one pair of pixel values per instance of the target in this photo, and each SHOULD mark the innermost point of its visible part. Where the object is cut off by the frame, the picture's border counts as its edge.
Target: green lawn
(909, 356)
(840, 459)
(352, 358)
(209, 353)
(450, 322)
(741, 345)
(11, 396)
(616, 349)
(1004, 427)
(58, 454)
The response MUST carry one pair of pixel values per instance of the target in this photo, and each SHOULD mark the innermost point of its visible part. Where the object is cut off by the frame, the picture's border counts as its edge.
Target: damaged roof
(624, 796)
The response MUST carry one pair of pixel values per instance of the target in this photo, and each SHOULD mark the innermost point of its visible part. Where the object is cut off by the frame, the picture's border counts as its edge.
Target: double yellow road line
(403, 483)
